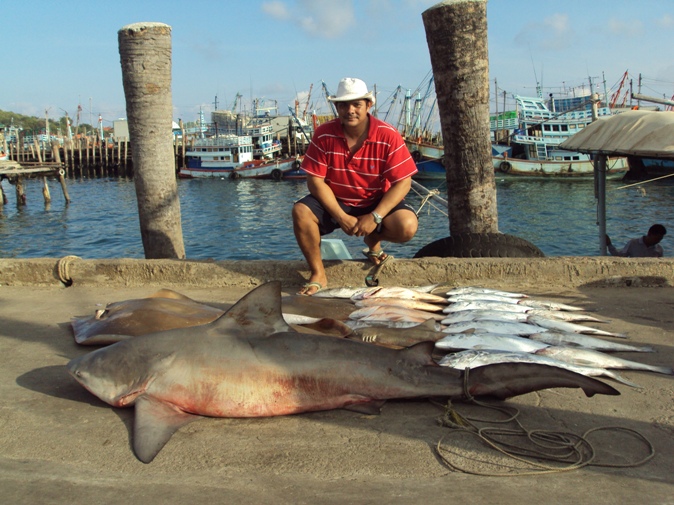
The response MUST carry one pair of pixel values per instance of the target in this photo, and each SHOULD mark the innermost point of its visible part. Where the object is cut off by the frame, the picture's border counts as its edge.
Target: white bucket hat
(349, 89)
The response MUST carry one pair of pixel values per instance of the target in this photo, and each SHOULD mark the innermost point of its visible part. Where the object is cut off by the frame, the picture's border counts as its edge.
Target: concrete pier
(59, 443)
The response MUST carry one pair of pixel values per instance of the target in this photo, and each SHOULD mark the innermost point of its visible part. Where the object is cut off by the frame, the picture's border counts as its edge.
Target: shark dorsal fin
(256, 314)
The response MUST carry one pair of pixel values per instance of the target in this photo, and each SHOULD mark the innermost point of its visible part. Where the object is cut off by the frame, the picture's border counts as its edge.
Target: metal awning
(647, 134)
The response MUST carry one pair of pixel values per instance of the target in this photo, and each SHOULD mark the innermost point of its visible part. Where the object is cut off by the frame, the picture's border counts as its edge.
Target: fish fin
(257, 314)
(331, 327)
(169, 293)
(154, 424)
(420, 353)
(505, 380)
(372, 408)
(619, 378)
(428, 324)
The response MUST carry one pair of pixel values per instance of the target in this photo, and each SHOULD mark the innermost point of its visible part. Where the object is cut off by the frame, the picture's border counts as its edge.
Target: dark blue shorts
(326, 224)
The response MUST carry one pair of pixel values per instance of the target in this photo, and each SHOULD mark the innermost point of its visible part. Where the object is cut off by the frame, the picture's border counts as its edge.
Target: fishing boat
(248, 151)
(526, 141)
(427, 153)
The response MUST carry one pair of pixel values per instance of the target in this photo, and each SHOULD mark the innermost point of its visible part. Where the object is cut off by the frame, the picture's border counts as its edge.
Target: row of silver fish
(490, 326)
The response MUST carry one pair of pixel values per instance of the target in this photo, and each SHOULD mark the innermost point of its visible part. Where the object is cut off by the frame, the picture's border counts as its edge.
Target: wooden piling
(456, 32)
(20, 192)
(45, 190)
(62, 182)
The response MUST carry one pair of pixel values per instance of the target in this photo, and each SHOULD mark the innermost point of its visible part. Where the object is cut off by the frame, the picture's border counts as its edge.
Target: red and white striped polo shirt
(362, 179)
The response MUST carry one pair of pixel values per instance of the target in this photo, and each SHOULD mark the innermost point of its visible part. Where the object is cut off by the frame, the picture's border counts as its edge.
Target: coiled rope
(566, 451)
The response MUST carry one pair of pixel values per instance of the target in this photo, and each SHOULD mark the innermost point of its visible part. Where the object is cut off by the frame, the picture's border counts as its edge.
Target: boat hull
(256, 169)
(615, 167)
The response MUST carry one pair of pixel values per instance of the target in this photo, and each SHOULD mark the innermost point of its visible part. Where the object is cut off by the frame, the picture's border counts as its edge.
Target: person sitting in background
(647, 246)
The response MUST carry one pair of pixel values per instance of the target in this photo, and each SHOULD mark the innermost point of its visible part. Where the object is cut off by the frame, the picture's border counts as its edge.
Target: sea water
(242, 219)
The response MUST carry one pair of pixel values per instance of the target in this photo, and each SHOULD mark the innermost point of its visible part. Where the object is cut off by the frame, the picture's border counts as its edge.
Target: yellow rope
(62, 268)
(644, 182)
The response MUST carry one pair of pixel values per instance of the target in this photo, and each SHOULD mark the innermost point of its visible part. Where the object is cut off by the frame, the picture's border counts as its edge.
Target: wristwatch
(377, 218)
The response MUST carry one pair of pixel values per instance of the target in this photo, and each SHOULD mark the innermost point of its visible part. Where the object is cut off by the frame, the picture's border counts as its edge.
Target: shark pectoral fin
(371, 408)
(154, 424)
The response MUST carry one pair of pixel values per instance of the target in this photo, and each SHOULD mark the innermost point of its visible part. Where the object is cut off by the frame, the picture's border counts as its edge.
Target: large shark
(248, 363)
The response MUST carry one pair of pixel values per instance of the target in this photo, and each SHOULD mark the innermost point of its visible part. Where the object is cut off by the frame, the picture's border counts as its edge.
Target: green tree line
(37, 124)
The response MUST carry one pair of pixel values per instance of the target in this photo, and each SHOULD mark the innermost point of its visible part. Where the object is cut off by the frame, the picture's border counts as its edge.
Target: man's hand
(358, 226)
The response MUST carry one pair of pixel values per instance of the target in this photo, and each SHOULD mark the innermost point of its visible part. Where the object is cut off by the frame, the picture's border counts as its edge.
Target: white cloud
(666, 21)
(276, 9)
(629, 28)
(322, 18)
(554, 33)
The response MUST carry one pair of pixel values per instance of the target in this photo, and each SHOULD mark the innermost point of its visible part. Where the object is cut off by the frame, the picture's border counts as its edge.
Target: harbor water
(249, 219)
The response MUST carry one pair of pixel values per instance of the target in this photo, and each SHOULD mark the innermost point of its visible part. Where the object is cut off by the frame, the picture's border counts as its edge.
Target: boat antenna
(539, 91)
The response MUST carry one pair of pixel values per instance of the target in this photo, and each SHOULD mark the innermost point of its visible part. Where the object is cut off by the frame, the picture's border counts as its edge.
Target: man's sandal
(310, 285)
(379, 259)
(376, 257)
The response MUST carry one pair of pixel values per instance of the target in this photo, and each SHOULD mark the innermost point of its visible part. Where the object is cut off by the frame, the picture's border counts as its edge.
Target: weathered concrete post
(456, 32)
(145, 51)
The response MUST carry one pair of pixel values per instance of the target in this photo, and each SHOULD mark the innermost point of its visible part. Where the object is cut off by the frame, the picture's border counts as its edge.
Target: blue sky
(59, 54)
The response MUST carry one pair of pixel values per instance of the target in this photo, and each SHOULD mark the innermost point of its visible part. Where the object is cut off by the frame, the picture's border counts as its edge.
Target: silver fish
(476, 315)
(300, 319)
(343, 292)
(389, 311)
(477, 290)
(503, 315)
(400, 302)
(392, 316)
(357, 324)
(484, 305)
(399, 292)
(572, 339)
(543, 304)
(477, 358)
(491, 341)
(589, 357)
(572, 317)
(487, 326)
(481, 297)
(552, 324)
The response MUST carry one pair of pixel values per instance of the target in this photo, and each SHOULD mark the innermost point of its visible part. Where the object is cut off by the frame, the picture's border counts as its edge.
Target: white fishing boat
(524, 141)
(234, 151)
(529, 138)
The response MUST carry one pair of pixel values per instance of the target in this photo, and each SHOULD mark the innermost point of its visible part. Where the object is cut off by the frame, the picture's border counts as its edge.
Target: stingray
(167, 310)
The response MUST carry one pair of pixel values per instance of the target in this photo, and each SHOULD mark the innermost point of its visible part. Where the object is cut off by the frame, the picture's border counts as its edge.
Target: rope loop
(63, 267)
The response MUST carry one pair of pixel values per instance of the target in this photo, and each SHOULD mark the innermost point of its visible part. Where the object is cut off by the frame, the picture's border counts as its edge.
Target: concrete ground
(59, 443)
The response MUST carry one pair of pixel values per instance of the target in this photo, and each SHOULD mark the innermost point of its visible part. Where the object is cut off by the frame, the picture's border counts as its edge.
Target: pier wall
(520, 273)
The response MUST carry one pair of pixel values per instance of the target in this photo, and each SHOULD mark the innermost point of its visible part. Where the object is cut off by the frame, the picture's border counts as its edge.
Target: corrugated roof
(632, 133)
